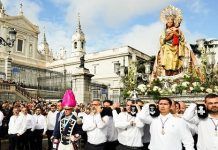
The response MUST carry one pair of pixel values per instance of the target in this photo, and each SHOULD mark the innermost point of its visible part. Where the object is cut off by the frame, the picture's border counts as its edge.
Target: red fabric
(175, 40)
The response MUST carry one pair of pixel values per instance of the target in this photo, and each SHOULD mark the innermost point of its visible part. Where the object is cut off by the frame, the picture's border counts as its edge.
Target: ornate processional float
(177, 71)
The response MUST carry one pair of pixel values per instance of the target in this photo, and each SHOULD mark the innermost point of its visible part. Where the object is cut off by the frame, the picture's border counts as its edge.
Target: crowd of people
(12, 116)
(165, 125)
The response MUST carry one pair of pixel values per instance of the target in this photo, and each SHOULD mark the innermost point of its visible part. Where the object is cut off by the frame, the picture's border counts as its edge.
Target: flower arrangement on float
(185, 86)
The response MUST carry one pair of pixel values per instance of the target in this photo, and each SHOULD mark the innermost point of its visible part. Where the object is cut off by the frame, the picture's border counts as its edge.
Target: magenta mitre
(68, 100)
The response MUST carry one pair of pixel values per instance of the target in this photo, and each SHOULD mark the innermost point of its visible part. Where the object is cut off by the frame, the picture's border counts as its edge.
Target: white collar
(166, 116)
(209, 116)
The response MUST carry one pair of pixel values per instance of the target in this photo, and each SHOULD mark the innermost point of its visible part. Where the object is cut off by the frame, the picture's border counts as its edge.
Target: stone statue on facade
(82, 62)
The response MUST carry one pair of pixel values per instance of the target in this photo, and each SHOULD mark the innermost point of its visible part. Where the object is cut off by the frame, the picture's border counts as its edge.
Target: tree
(129, 80)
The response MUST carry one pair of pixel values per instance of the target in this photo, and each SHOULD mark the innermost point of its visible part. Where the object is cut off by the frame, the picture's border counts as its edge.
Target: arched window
(75, 45)
(82, 45)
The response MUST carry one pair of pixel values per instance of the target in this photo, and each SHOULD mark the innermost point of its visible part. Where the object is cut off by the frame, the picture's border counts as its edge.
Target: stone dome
(78, 36)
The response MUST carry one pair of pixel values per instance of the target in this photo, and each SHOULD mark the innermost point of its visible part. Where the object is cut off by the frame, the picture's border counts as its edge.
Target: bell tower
(78, 41)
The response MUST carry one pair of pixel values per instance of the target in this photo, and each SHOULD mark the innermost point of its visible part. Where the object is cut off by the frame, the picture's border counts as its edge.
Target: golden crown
(171, 11)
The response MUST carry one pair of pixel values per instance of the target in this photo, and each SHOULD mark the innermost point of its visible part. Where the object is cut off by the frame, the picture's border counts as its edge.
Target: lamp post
(10, 41)
(145, 76)
(120, 69)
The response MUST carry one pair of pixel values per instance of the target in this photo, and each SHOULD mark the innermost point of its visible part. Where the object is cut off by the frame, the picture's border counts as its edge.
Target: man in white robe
(130, 129)
(96, 128)
(167, 132)
(208, 127)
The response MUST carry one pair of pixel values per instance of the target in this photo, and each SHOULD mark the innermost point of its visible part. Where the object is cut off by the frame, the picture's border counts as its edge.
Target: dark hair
(165, 98)
(60, 101)
(211, 95)
(107, 111)
(108, 101)
(38, 108)
(177, 103)
(139, 101)
(52, 105)
(129, 100)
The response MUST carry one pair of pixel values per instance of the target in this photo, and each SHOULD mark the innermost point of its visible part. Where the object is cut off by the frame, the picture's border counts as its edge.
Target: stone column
(8, 68)
(81, 81)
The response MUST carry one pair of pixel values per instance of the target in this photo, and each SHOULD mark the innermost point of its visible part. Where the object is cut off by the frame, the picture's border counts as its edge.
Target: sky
(115, 23)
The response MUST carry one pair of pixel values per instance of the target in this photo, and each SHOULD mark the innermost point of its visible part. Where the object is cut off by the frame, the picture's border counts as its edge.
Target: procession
(106, 125)
(117, 99)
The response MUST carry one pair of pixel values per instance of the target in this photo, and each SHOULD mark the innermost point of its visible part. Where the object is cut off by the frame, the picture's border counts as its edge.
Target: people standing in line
(167, 131)
(25, 132)
(146, 129)
(207, 127)
(112, 141)
(51, 118)
(96, 127)
(13, 127)
(40, 128)
(175, 109)
(130, 128)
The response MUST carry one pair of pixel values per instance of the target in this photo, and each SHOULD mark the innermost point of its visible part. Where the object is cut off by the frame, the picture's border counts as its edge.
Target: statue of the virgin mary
(174, 54)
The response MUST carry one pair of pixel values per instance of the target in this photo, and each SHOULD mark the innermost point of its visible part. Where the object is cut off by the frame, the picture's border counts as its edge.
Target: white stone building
(23, 63)
(103, 65)
(43, 75)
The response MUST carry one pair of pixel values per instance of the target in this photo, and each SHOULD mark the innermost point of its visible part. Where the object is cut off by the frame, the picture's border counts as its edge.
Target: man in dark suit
(67, 131)
(58, 117)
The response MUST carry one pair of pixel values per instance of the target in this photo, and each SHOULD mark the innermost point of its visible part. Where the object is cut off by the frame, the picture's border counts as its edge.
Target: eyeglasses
(95, 104)
(67, 109)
